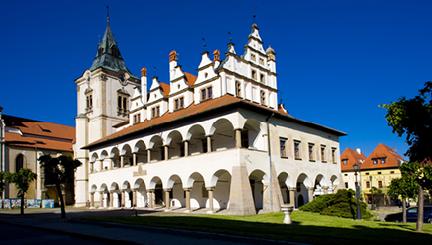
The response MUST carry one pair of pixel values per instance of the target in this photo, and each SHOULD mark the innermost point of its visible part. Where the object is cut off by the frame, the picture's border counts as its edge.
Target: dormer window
(155, 112)
(206, 93)
(179, 103)
(344, 162)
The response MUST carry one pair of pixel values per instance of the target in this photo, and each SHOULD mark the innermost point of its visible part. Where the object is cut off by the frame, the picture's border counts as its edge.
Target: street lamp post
(357, 187)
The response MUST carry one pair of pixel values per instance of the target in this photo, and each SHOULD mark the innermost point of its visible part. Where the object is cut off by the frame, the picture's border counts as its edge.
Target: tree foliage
(59, 171)
(22, 180)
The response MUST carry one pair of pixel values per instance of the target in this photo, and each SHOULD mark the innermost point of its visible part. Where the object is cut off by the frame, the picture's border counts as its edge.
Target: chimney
(172, 63)
(144, 85)
(358, 150)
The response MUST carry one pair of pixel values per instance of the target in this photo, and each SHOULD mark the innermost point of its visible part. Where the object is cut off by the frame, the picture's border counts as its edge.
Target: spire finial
(107, 15)
(230, 37)
(204, 43)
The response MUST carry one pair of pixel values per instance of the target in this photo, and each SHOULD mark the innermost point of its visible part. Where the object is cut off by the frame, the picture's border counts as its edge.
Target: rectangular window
(346, 185)
(206, 93)
(178, 103)
(333, 152)
(323, 156)
(137, 118)
(380, 184)
(262, 78)
(379, 172)
(391, 172)
(283, 149)
(263, 97)
(368, 184)
(297, 154)
(253, 57)
(311, 150)
(367, 173)
(261, 61)
(155, 111)
(238, 89)
(89, 102)
(254, 74)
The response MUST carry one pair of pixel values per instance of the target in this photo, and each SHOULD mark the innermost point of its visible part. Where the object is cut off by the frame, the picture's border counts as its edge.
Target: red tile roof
(165, 89)
(190, 79)
(392, 159)
(351, 157)
(196, 109)
(35, 134)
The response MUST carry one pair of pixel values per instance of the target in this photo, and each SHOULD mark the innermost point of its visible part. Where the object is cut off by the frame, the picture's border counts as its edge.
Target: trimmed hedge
(341, 204)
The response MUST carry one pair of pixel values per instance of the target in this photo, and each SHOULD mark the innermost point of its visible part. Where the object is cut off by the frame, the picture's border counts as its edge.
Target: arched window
(19, 162)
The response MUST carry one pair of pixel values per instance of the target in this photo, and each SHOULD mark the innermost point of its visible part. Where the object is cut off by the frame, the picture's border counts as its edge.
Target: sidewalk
(126, 234)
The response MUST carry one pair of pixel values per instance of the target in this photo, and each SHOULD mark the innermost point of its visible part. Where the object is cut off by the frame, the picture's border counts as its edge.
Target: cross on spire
(107, 15)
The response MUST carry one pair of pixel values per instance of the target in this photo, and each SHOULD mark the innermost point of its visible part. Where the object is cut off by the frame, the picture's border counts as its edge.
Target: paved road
(13, 234)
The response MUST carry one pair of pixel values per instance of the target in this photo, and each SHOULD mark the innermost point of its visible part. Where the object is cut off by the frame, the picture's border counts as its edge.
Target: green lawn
(307, 227)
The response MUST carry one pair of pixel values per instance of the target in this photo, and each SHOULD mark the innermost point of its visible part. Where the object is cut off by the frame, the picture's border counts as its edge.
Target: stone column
(325, 189)
(209, 143)
(310, 193)
(121, 161)
(152, 200)
(111, 199)
(92, 200)
(241, 199)
(167, 198)
(238, 138)
(210, 199)
(187, 192)
(101, 199)
(148, 155)
(134, 159)
(123, 199)
(101, 165)
(291, 194)
(111, 163)
(166, 152)
(186, 148)
(91, 167)
(134, 198)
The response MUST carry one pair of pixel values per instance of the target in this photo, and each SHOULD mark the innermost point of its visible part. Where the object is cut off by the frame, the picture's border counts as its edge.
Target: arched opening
(156, 185)
(141, 152)
(94, 163)
(283, 177)
(141, 198)
(175, 145)
(197, 140)
(19, 162)
(156, 146)
(251, 136)
(105, 163)
(127, 155)
(318, 185)
(177, 198)
(257, 187)
(302, 190)
(115, 157)
(334, 184)
(199, 194)
(222, 135)
(126, 200)
(116, 195)
(104, 196)
(221, 181)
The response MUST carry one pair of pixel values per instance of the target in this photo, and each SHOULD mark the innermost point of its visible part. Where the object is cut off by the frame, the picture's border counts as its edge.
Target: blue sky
(336, 60)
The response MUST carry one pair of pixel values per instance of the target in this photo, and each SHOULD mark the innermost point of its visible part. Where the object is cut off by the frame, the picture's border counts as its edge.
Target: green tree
(412, 118)
(2, 186)
(22, 180)
(59, 171)
(402, 189)
(375, 194)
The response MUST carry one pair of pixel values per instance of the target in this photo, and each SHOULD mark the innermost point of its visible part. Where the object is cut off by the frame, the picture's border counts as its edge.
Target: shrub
(341, 204)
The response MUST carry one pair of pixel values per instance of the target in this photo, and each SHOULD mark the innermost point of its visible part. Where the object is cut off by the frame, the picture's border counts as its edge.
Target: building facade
(25, 140)
(214, 141)
(376, 172)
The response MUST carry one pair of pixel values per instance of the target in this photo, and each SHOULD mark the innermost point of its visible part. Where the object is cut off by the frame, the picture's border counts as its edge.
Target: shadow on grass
(358, 234)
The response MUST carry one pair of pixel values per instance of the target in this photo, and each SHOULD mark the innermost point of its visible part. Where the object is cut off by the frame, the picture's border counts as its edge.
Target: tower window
(122, 103)
(89, 102)
(263, 97)
(238, 89)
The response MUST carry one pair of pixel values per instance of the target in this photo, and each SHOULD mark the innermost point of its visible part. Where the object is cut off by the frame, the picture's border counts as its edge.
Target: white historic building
(214, 141)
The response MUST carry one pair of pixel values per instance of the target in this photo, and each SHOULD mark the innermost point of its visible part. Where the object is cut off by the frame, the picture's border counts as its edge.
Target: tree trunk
(62, 206)
(420, 204)
(404, 215)
(22, 204)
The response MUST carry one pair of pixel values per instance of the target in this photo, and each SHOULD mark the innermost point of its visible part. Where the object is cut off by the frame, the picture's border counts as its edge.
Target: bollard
(287, 211)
